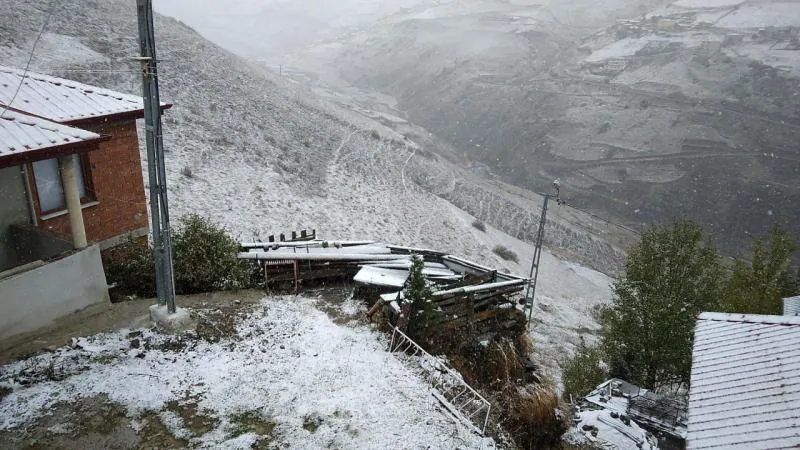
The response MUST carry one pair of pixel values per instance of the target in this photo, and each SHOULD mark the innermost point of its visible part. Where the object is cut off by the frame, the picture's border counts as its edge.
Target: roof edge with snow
(65, 101)
(750, 318)
(25, 138)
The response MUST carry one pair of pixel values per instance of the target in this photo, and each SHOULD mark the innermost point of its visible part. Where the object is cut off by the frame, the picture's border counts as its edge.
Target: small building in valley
(745, 383)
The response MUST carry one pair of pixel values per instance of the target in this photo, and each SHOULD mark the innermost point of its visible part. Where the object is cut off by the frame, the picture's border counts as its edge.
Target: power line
(603, 219)
(30, 57)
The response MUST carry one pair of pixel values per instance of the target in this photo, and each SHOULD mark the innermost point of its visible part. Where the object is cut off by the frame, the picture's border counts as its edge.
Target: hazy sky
(272, 28)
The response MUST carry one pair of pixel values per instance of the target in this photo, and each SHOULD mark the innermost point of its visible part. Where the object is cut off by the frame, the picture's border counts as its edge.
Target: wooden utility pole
(159, 208)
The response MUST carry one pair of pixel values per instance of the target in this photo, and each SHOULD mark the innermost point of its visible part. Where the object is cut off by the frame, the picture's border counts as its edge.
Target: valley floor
(274, 372)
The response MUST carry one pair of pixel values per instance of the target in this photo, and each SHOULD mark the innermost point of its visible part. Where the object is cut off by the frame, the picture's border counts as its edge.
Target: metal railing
(459, 397)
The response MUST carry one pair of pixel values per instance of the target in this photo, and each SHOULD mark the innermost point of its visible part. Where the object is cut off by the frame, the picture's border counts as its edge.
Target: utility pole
(537, 252)
(159, 209)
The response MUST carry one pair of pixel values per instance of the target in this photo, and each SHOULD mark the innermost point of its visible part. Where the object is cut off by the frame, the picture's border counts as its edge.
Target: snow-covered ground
(764, 14)
(706, 3)
(287, 363)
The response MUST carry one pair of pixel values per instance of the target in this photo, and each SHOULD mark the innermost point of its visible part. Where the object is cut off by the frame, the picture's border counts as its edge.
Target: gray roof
(745, 386)
(25, 138)
(59, 99)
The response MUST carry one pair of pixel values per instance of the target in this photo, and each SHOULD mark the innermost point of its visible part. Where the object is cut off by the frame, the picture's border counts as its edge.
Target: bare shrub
(478, 225)
(505, 253)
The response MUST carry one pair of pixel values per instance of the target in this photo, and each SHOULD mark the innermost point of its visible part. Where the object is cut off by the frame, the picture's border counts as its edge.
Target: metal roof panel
(59, 99)
(745, 385)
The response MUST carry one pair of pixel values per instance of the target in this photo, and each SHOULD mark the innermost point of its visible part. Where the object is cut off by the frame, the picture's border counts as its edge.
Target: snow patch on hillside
(706, 3)
(767, 14)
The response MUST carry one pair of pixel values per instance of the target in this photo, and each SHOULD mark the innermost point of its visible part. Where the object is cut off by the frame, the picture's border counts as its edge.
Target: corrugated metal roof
(23, 136)
(745, 386)
(61, 100)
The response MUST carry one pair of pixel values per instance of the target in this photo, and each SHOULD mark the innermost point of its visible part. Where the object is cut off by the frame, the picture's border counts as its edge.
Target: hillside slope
(262, 155)
(645, 110)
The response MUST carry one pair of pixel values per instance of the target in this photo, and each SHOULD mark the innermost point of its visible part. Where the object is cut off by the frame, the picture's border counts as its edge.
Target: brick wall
(115, 174)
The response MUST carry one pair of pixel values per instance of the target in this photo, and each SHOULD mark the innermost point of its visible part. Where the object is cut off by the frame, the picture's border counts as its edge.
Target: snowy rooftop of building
(745, 386)
(59, 99)
(26, 138)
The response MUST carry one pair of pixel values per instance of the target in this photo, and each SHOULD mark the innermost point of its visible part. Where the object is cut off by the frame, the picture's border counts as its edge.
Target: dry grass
(524, 344)
(498, 364)
(533, 416)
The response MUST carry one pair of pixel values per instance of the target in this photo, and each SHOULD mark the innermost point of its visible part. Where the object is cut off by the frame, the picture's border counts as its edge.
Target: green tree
(756, 287)
(422, 310)
(670, 277)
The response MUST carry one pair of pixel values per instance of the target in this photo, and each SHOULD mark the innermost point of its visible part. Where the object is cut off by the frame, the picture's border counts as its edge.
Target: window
(49, 187)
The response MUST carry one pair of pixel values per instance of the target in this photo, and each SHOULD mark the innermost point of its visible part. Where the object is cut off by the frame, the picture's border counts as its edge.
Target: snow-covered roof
(25, 138)
(59, 99)
(382, 277)
(745, 385)
(611, 431)
(791, 306)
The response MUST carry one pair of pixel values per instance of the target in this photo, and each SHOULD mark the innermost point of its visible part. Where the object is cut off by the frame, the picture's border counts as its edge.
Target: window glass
(49, 187)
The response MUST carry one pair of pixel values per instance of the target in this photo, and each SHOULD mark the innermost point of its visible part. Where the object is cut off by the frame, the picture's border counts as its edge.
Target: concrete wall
(37, 298)
(13, 210)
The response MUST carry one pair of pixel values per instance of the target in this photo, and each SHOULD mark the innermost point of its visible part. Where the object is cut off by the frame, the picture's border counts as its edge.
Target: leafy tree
(422, 311)
(671, 276)
(758, 286)
(584, 371)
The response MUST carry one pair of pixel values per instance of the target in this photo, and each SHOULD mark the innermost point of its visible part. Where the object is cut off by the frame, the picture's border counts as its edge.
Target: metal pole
(537, 256)
(159, 206)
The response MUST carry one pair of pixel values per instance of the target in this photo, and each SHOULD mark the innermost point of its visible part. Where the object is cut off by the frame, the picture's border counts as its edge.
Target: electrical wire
(30, 57)
(603, 219)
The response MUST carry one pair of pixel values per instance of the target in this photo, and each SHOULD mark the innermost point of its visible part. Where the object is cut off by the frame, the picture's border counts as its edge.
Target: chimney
(791, 306)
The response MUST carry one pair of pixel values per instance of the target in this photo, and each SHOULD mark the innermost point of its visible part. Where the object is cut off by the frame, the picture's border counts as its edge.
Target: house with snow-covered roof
(71, 186)
(745, 382)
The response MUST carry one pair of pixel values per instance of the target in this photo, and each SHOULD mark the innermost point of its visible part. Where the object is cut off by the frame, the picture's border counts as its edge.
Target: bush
(187, 172)
(479, 225)
(204, 258)
(505, 253)
(583, 372)
(130, 266)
